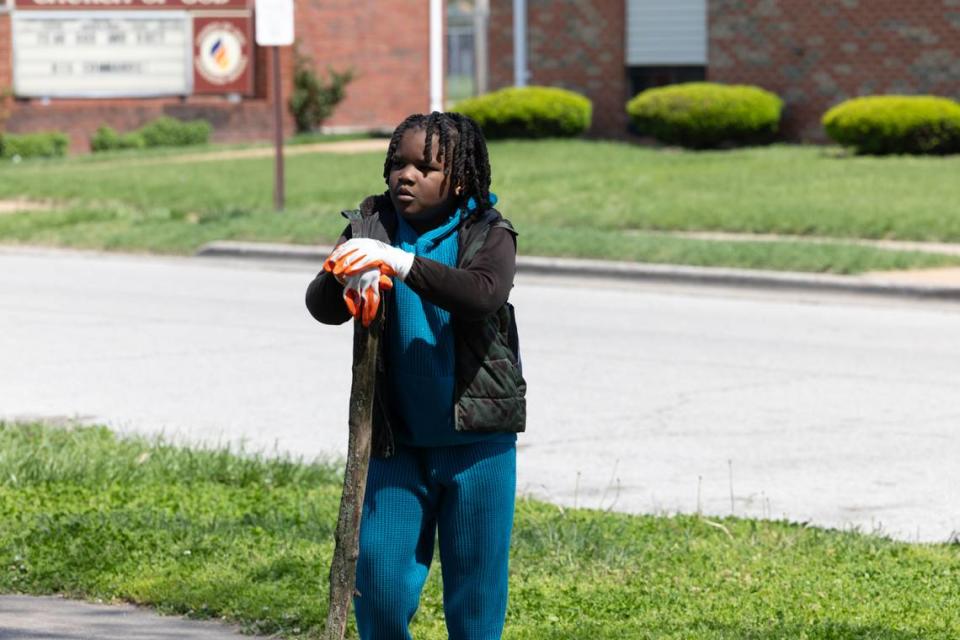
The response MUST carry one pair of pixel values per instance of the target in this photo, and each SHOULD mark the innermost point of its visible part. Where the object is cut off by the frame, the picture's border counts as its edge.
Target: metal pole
(520, 43)
(278, 190)
(481, 56)
(436, 55)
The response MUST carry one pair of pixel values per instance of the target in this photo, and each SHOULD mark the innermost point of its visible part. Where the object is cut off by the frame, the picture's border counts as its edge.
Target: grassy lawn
(215, 534)
(569, 198)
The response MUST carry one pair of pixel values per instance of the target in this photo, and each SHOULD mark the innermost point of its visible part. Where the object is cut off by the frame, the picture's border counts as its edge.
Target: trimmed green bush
(529, 112)
(170, 132)
(107, 139)
(162, 132)
(705, 114)
(896, 124)
(48, 144)
(313, 99)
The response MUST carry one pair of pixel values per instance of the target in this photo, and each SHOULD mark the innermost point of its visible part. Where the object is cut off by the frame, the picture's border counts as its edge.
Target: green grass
(576, 198)
(217, 534)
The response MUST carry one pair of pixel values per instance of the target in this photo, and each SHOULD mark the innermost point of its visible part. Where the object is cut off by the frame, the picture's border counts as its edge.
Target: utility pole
(278, 180)
(274, 29)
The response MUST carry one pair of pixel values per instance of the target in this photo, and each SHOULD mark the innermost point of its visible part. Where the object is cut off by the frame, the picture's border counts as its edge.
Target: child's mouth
(405, 197)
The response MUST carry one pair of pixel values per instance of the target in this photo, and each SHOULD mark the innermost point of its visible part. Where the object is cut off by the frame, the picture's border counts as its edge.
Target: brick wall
(574, 44)
(500, 45)
(816, 54)
(6, 72)
(390, 57)
(385, 41)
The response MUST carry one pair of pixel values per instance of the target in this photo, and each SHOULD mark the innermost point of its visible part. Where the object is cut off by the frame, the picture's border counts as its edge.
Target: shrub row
(697, 115)
(162, 132)
(50, 144)
(709, 115)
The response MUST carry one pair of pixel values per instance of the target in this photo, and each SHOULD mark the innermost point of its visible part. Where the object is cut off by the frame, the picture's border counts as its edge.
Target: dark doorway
(641, 78)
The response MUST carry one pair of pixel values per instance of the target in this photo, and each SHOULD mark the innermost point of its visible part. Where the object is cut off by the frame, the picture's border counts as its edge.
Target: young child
(449, 395)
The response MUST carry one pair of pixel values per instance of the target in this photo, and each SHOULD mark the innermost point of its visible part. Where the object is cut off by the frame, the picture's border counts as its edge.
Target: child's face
(419, 190)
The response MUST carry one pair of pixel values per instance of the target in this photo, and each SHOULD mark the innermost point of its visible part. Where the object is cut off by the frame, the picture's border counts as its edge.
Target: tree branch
(343, 566)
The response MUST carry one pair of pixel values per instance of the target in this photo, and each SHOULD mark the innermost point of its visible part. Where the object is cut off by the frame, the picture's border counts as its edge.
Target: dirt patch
(19, 205)
(342, 146)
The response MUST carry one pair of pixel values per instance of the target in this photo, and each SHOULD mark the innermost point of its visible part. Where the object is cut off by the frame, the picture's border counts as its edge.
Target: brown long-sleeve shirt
(468, 294)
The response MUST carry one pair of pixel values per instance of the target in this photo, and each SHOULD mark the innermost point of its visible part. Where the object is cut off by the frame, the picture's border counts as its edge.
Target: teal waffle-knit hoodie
(421, 347)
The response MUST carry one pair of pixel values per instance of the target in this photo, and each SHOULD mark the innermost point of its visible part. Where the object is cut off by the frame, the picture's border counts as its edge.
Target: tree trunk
(343, 566)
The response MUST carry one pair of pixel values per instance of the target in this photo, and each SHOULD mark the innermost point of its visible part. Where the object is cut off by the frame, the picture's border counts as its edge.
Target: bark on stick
(343, 566)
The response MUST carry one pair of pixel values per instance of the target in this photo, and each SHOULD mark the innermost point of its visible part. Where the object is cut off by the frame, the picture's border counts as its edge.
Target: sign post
(278, 181)
(274, 29)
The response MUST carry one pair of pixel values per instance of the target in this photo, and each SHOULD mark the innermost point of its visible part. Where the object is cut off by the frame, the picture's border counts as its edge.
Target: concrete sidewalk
(54, 618)
(940, 284)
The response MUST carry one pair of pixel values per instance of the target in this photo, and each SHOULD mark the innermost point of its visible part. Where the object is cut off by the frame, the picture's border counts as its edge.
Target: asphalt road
(838, 411)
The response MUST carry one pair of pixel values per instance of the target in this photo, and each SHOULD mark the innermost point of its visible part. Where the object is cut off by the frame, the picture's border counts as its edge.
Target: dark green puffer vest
(490, 389)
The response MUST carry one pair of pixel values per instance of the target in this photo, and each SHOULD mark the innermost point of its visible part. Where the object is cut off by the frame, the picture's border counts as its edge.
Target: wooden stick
(343, 566)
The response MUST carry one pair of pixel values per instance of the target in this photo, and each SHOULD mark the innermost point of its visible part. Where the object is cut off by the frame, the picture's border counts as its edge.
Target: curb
(639, 272)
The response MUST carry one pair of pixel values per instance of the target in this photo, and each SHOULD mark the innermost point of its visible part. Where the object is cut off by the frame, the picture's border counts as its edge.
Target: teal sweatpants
(464, 493)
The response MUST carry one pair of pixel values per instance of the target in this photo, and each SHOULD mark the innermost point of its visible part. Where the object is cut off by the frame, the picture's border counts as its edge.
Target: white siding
(666, 32)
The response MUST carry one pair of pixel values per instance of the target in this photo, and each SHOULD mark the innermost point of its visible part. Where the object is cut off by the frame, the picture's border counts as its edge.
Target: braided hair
(463, 152)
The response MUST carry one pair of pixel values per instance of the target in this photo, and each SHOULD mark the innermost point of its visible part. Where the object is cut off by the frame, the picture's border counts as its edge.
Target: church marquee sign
(131, 48)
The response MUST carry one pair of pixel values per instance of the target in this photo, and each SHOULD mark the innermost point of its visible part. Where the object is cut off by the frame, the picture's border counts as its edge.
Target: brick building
(815, 55)
(391, 60)
(812, 54)
(574, 44)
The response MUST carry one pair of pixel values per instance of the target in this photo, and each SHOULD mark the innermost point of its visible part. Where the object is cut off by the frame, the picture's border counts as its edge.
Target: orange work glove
(361, 254)
(361, 294)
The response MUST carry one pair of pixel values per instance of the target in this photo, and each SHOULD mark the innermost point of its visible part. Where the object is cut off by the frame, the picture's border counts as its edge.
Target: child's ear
(458, 190)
